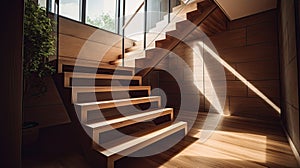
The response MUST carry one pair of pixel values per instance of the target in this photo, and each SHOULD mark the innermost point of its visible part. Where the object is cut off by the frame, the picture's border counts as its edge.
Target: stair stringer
(171, 42)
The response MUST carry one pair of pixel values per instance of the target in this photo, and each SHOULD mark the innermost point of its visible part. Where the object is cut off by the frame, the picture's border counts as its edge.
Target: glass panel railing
(143, 21)
(175, 13)
(133, 27)
(159, 17)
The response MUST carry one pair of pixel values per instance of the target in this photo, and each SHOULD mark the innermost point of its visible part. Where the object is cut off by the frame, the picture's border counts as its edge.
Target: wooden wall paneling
(262, 32)
(236, 88)
(263, 70)
(252, 108)
(257, 52)
(268, 87)
(86, 42)
(249, 46)
(79, 30)
(170, 87)
(74, 47)
(268, 16)
(191, 88)
(234, 38)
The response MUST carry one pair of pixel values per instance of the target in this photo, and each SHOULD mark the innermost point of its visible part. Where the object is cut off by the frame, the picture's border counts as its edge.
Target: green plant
(39, 44)
(103, 21)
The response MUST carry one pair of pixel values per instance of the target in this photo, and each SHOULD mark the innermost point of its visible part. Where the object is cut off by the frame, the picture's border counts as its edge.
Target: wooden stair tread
(90, 64)
(68, 75)
(122, 101)
(98, 89)
(80, 89)
(130, 119)
(138, 143)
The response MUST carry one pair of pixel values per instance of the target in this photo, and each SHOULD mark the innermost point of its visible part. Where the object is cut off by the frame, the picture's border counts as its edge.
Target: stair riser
(77, 91)
(192, 16)
(95, 132)
(103, 82)
(95, 70)
(104, 96)
(143, 103)
(113, 112)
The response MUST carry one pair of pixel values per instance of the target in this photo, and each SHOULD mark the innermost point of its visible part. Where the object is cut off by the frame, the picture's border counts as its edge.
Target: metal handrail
(185, 3)
(131, 18)
(123, 29)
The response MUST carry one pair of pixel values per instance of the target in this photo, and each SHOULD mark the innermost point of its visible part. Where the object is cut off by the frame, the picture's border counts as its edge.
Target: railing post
(169, 11)
(145, 25)
(83, 11)
(123, 35)
(56, 3)
(123, 47)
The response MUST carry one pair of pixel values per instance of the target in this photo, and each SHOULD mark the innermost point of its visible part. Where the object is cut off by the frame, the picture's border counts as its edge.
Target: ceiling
(235, 9)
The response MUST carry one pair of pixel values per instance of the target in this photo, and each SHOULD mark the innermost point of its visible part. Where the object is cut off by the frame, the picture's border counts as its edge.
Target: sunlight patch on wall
(203, 81)
(241, 78)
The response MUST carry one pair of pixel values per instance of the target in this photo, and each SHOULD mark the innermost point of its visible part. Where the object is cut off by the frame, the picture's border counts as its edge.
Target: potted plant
(39, 45)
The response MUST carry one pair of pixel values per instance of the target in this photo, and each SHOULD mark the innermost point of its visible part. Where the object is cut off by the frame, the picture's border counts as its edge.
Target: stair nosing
(95, 75)
(161, 133)
(116, 101)
(101, 124)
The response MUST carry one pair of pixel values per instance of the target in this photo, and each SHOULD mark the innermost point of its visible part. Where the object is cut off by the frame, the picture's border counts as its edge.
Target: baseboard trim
(296, 153)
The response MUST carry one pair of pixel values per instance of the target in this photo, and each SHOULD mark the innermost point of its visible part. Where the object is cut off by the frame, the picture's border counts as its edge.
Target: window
(42, 3)
(70, 9)
(102, 14)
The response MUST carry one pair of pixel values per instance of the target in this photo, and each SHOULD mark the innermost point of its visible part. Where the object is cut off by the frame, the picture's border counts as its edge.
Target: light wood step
(69, 75)
(90, 64)
(95, 128)
(97, 89)
(126, 148)
(83, 108)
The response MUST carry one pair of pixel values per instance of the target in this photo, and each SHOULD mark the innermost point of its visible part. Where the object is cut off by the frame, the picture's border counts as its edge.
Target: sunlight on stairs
(129, 116)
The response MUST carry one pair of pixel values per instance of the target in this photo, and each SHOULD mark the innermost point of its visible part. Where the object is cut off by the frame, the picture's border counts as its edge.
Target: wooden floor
(236, 142)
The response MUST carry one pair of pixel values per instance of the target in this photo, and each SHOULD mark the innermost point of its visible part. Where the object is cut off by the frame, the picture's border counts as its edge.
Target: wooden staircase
(100, 103)
(102, 98)
(199, 14)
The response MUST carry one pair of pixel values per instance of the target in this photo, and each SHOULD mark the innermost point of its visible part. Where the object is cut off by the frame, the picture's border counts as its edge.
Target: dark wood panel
(215, 23)
(46, 116)
(269, 16)
(258, 52)
(252, 108)
(269, 88)
(262, 33)
(263, 70)
(236, 88)
(229, 39)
